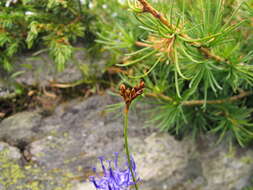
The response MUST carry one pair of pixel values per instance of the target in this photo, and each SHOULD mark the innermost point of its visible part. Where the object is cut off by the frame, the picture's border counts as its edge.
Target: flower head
(130, 94)
(114, 177)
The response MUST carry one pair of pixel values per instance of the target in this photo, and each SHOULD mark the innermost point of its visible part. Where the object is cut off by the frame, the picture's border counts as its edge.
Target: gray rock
(159, 156)
(15, 176)
(226, 168)
(10, 152)
(21, 128)
(40, 70)
(84, 186)
(166, 164)
(191, 167)
(80, 131)
(83, 132)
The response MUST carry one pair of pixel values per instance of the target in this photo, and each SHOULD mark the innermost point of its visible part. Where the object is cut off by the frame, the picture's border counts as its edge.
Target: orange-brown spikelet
(130, 94)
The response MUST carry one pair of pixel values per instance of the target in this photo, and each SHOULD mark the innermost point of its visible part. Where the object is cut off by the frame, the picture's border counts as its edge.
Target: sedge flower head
(114, 177)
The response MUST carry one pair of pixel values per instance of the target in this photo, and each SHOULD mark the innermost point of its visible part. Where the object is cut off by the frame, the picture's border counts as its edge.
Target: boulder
(21, 128)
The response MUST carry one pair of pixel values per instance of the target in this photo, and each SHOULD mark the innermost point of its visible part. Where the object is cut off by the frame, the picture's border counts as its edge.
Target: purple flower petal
(114, 178)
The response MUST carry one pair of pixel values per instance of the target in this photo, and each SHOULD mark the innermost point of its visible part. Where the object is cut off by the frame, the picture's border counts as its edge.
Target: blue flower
(114, 178)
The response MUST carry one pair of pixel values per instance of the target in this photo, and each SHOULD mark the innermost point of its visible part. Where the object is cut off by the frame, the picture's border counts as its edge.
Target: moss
(247, 159)
(15, 177)
(10, 172)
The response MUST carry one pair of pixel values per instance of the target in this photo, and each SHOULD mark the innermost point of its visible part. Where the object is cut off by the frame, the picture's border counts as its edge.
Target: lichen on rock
(15, 176)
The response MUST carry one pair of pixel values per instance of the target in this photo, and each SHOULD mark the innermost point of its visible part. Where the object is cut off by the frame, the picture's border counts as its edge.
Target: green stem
(80, 7)
(126, 146)
(87, 4)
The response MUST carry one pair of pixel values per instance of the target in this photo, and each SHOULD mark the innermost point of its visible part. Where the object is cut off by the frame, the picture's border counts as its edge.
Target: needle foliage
(196, 59)
(50, 26)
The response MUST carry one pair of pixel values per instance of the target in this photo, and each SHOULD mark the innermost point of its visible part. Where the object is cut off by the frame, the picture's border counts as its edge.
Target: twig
(80, 7)
(162, 96)
(141, 44)
(148, 8)
(221, 101)
(241, 95)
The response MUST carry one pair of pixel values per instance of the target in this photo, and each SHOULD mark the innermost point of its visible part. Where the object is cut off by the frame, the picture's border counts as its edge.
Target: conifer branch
(241, 95)
(162, 96)
(148, 8)
(141, 44)
(207, 52)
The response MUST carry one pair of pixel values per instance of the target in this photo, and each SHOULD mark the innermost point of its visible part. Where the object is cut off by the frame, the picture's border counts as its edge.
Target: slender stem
(126, 145)
(80, 7)
(88, 3)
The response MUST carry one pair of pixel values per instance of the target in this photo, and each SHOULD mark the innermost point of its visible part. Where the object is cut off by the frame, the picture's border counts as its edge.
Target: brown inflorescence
(130, 94)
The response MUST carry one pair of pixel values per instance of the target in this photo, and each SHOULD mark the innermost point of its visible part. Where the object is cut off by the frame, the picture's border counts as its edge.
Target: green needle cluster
(196, 59)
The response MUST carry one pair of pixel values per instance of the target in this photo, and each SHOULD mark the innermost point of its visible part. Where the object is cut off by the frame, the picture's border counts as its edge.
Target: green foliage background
(52, 26)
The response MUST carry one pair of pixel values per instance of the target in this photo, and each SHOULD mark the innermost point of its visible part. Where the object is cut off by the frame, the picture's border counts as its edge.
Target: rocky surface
(21, 129)
(63, 147)
(187, 166)
(14, 175)
(40, 70)
(10, 152)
